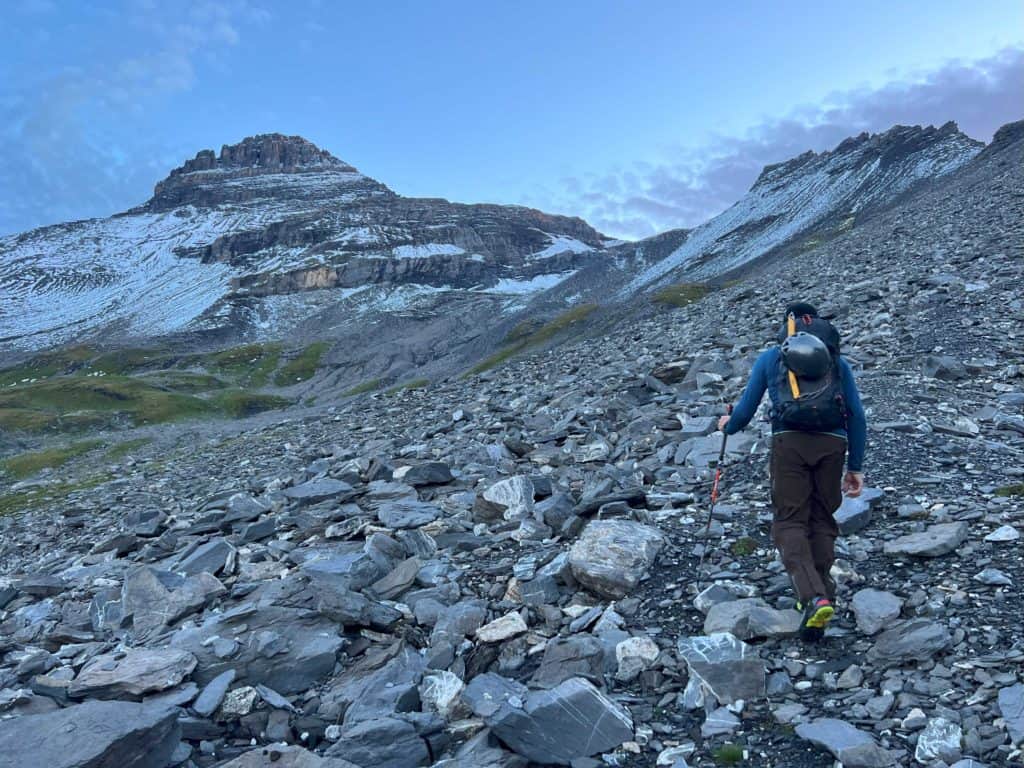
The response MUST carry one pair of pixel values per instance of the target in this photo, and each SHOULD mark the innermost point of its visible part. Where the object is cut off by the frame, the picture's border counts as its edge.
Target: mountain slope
(793, 199)
(260, 239)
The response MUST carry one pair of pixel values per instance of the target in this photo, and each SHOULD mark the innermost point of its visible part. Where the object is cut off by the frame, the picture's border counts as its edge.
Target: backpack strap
(794, 387)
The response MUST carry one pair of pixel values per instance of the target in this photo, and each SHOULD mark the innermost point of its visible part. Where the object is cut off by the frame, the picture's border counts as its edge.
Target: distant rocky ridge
(275, 238)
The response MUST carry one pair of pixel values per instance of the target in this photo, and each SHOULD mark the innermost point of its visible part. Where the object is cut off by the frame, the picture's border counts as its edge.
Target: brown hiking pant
(807, 475)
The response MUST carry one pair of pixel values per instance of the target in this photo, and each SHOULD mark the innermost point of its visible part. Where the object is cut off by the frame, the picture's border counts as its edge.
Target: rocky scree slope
(500, 571)
(793, 206)
(268, 239)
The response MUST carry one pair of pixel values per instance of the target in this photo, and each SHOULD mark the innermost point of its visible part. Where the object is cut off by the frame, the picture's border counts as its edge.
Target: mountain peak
(887, 147)
(204, 178)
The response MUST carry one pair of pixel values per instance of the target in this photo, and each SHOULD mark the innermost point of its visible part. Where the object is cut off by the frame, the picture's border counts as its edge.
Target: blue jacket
(762, 378)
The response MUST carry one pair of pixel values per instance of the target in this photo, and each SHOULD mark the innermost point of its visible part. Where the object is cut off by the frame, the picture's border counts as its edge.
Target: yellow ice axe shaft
(790, 331)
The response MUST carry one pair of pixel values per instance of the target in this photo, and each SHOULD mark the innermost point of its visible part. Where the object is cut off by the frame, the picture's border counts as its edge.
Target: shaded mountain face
(259, 240)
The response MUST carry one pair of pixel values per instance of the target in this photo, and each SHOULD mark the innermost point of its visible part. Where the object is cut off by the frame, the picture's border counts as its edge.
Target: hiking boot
(817, 614)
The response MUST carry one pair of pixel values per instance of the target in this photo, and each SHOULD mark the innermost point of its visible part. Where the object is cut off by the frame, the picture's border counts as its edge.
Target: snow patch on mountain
(426, 250)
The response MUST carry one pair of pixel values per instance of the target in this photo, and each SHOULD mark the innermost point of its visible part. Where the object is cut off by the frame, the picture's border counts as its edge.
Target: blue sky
(639, 116)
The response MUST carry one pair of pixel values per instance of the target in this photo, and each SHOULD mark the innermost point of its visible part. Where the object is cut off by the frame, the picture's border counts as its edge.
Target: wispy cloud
(692, 185)
(69, 148)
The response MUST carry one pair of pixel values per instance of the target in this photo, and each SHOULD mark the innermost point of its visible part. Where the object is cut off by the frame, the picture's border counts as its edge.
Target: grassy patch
(367, 386)
(12, 503)
(1011, 490)
(184, 382)
(251, 364)
(142, 402)
(414, 384)
(728, 754)
(528, 334)
(23, 420)
(743, 546)
(47, 364)
(124, 361)
(680, 295)
(302, 366)
(121, 450)
(26, 464)
(238, 403)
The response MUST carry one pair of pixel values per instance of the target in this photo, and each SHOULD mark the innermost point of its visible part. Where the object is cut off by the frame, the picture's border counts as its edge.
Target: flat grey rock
(213, 693)
(94, 734)
(132, 674)
(875, 609)
(384, 742)
(853, 747)
(1011, 705)
(854, 514)
(285, 756)
(407, 514)
(913, 640)
(427, 473)
(749, 618)
(315, 491)
(935, 541)
(554, 727)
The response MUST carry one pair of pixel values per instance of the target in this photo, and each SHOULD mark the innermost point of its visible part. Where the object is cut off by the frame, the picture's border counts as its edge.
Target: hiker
(817, 421)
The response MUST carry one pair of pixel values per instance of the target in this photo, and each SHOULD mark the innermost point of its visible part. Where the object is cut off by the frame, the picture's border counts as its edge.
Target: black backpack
(818, 405)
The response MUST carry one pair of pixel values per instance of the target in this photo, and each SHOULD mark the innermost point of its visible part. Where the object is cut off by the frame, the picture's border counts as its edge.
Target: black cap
(801, 308)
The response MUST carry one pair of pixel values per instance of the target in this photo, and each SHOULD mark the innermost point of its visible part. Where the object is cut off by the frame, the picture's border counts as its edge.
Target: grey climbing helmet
(806, 355)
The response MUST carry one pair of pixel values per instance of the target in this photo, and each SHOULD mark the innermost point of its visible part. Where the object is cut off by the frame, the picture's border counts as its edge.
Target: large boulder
(554, 727)
(286, 649)
(612, 556)
(95, 734)
(132, 674)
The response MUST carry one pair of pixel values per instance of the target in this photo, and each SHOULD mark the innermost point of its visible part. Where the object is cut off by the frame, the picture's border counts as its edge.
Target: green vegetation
(26, 464)
(743, 546)
(681, 294)
(251, 365)
(12, 503)
(121, 450)
(238, 403)
(23, 420)
(728, 754)
(142, 402)
(366, 386)
(75, 403)
(121, 362)
(79, 388)
(302, 366)
(528, 334)
(414, 384)
(47, 364)
(184, 382)
(1011, 490)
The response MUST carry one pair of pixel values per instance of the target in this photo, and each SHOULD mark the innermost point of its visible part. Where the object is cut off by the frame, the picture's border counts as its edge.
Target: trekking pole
(714, 499)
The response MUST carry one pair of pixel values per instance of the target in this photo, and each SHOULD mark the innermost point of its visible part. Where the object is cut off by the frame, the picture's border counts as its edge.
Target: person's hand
(722, 421)
(853, 484)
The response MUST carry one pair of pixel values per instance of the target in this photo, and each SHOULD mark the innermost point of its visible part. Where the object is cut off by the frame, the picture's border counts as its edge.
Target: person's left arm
(856, 430)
